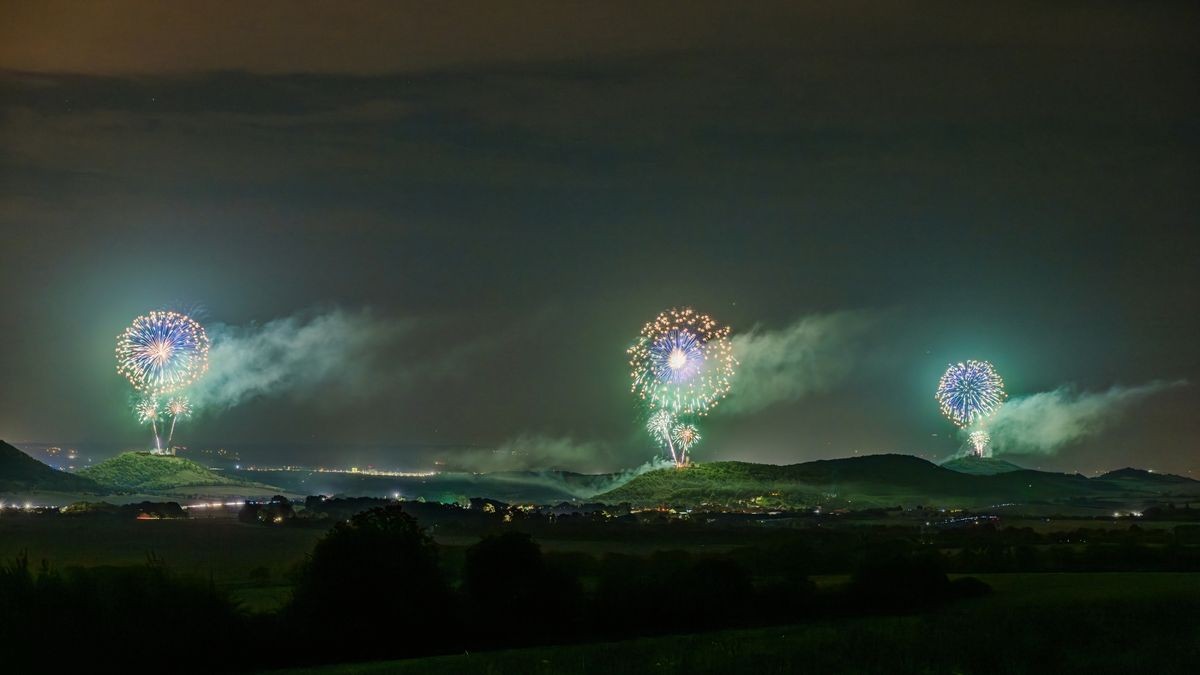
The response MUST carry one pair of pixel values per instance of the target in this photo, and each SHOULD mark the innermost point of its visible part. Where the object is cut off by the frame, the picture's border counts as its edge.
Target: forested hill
(870, 481)
(144, 472)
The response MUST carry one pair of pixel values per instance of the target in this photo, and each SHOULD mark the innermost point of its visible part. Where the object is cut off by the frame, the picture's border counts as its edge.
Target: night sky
(489, 201)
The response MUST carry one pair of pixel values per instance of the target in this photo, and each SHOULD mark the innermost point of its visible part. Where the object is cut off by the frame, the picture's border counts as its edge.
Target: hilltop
(20, 472)
(867, 482)
(1129, 473)
(980, 466)
(144, 472)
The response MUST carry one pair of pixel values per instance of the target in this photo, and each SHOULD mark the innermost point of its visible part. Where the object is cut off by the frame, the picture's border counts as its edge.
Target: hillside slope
(1150, 477)
(861, 482)
(19, 472)
(143, 472)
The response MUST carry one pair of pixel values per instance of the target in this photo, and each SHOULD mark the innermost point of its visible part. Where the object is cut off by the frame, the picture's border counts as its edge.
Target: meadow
(232, 555)
(1096, 624)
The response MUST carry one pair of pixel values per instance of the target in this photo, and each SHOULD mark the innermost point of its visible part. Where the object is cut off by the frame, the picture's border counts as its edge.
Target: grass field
(221, 549)
(1033, 623)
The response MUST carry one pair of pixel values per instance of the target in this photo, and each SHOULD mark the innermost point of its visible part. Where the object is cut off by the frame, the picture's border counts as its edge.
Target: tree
(374, 581)
(515, 596)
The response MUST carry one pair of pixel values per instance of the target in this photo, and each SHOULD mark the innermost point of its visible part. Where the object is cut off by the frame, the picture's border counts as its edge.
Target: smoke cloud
(533, 451)
(543, 459)
(1042, 423)
(298, 355)
(811, 355)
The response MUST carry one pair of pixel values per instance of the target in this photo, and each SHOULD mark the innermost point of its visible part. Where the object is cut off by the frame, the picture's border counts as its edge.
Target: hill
(19, 472)
(875, 480)
(144, 472)
(980, 466)
(1143, 476)
(861, 482)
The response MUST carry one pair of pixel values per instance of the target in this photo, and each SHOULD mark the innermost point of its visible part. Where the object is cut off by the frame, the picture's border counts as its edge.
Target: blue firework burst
(969, 392)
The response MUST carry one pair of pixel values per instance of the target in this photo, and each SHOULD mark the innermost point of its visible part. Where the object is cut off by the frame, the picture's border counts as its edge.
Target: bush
(969, 587)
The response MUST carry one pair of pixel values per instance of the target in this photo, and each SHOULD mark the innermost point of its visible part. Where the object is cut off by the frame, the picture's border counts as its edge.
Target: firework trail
(178, 407)
(686, 436)
(162, 352)
(659, 425)
(147, 411)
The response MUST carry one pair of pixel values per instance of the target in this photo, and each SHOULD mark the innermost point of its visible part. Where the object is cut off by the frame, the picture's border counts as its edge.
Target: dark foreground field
(505, 591)
(1032, 623)
(252, 564)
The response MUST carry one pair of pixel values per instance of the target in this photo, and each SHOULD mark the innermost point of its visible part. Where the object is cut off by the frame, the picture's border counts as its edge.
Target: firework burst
(970, 392)
(660, 426)
(979, 441)
(685, 437)
(682, 362)
(177, 407)
(147, 411)
(162, 352)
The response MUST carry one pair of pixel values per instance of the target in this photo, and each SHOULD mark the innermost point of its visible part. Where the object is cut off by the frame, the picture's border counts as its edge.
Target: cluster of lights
(212, 505)
(28, 506)
(355, 470)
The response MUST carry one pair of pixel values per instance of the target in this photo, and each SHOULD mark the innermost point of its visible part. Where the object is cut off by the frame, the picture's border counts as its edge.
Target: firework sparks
(147, 411)
(178, 407)
(979, 440)
(685, 436)
(682, 362)
(970, 392)
(659, 425)
(162, 352)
